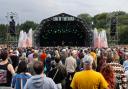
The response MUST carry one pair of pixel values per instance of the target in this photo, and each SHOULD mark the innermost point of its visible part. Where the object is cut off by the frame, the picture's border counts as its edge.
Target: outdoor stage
(63, 30)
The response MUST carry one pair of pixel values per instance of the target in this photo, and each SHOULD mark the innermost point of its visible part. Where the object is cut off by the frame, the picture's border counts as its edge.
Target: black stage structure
(63, 30)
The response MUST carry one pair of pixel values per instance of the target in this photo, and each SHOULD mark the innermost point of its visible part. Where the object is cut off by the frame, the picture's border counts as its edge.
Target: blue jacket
(19, 80)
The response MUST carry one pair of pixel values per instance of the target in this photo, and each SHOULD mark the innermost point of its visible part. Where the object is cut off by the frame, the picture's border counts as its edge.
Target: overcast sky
(37, 10)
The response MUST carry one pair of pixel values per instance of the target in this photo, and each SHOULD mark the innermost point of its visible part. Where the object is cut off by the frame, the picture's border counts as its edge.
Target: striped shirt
(120, 73)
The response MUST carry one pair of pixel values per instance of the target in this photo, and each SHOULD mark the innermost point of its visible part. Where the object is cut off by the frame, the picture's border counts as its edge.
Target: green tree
(27, 25)
(123, 34)
(86, 17)
(118, 13)
(3, 31)
(122, 26)
(100, 20)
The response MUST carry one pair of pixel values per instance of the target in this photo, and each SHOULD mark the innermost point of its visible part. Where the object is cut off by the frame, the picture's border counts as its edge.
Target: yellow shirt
(88, 79)
(93, 55)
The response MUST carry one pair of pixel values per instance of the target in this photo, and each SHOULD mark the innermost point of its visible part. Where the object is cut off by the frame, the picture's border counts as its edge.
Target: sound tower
(12, 31)
(113, 27)
(12, 26)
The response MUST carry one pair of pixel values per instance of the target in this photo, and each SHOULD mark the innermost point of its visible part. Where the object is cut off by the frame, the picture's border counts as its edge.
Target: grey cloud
(36, 10)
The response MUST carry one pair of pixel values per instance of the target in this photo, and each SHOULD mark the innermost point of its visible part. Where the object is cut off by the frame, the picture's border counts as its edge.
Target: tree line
(24, 26)
(99, 21)
(102, 21)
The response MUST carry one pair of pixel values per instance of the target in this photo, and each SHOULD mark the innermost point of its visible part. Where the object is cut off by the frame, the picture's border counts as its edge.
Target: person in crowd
(30, 56)
(63, 54)
(20, 79)
(57, 54)
(39, 81)
(43, 56)
(88, 78)
(121, 55)
(120, 74)
(108, 73)
(58, 73)
(79, 60)
(35, 56)
(93, 54)
(126, 72)
(23, 56)
(115, 55)
(6, 70)
(125, 63)
(101, 61)
(48, 63)
(109, 55)
(71, 65)
(17, 52)
(14, 58)
(30, 65)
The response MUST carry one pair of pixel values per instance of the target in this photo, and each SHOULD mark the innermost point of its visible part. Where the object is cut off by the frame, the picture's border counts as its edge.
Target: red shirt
(43, 56)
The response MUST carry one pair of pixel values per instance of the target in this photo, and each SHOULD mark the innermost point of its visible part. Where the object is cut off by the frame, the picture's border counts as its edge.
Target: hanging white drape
(95, 38)
(25, 40)
(100, 39)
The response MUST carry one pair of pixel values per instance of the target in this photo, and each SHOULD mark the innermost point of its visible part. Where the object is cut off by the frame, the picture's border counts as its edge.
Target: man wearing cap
(88, 78)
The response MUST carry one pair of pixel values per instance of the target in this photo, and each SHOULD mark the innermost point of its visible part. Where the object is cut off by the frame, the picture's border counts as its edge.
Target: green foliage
(123, 19)
(100, 20)
(3, 31)
(118, 13)
(24, 26)
(27, 25)
(123, 34)
(86, 17)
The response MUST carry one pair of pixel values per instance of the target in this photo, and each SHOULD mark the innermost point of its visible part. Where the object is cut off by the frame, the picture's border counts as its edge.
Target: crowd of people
(64, 68)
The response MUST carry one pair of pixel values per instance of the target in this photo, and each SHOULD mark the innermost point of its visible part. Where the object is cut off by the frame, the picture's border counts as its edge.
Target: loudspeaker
(12, 26)
(113, 26)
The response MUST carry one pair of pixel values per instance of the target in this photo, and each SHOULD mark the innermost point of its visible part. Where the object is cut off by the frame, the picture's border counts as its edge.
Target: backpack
(58, 74)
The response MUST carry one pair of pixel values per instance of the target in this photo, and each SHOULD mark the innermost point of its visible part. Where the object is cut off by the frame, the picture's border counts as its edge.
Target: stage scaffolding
(112, 39)
(12, 38)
